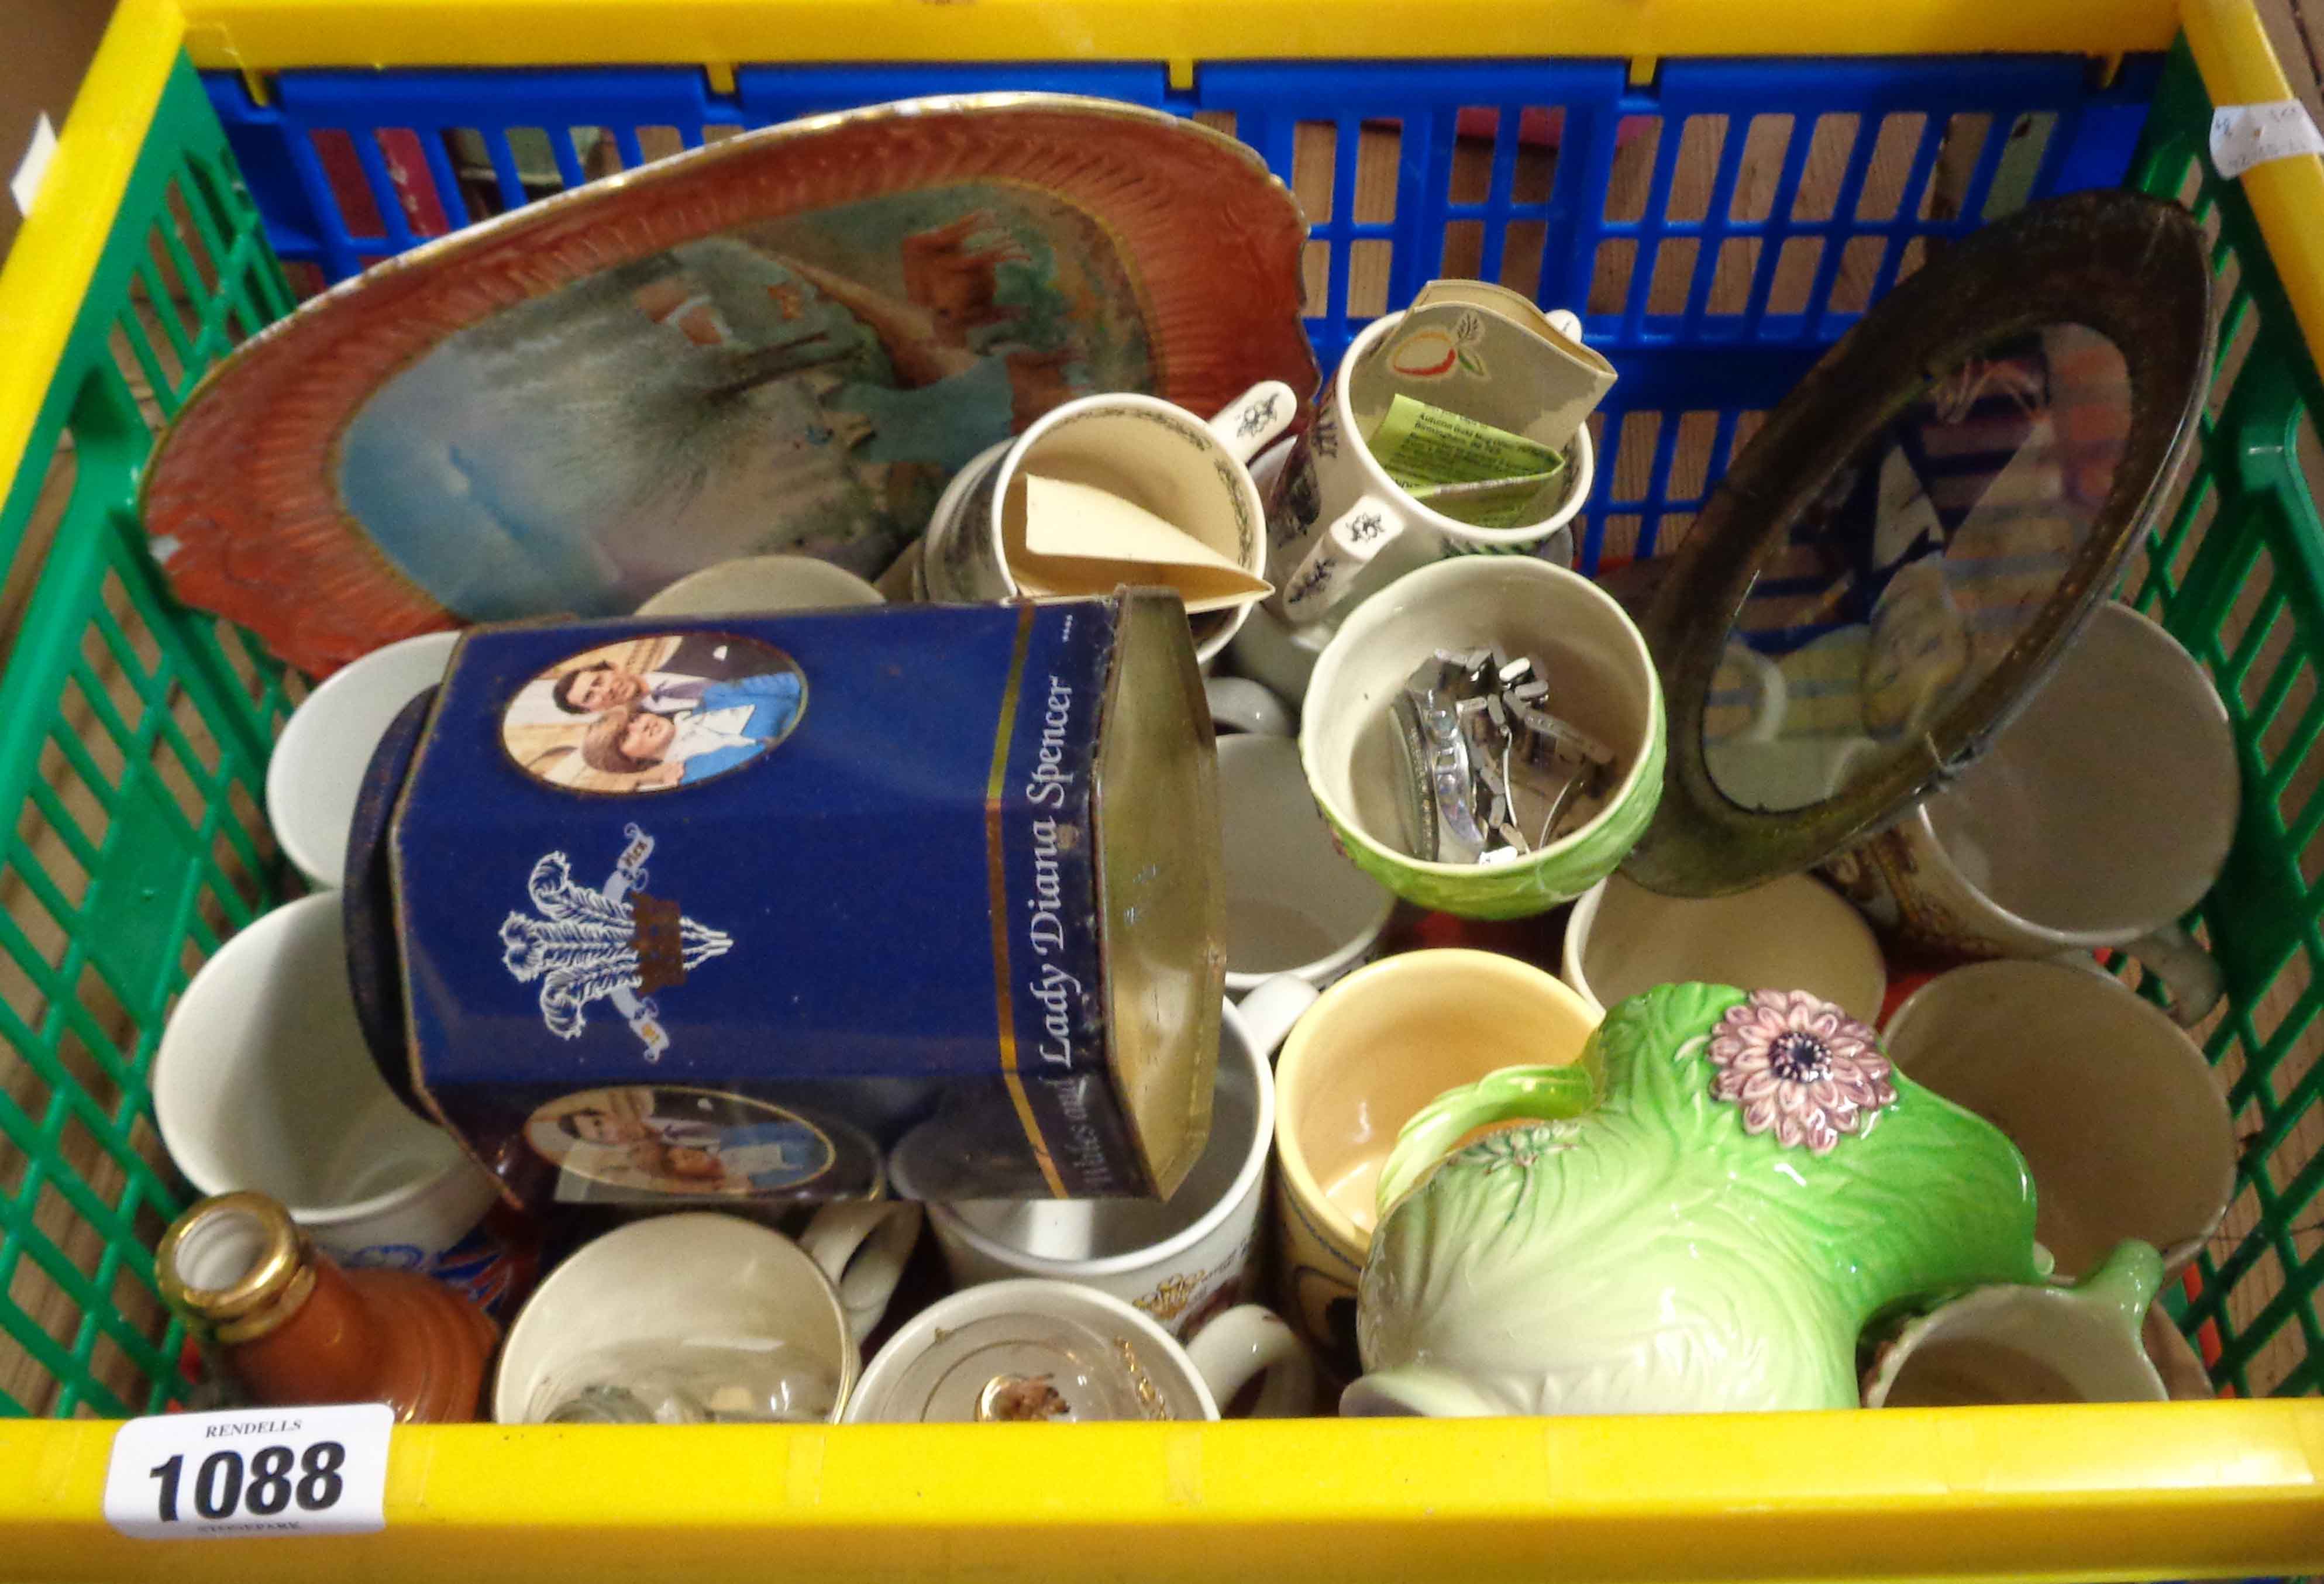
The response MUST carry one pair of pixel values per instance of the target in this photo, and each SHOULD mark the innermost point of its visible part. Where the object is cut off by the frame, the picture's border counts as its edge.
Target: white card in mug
(1079, 538)
(1498, 360)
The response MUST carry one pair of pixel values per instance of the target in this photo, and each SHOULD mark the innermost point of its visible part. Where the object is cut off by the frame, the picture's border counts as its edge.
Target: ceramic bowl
(1604, 682)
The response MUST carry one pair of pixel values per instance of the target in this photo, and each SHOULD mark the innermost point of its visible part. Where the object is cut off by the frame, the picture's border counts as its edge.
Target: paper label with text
(248, 1472)
(2245, 136)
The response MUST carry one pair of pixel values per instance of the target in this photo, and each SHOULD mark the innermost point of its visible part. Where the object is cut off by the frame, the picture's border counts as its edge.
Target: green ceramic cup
(1604, 681)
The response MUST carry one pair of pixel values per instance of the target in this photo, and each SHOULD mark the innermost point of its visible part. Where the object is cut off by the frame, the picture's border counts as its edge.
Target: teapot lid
(1899, 556)
(1030, 1351)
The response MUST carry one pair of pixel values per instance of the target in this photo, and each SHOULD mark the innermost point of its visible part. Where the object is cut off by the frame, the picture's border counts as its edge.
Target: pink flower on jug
(1801, 1067)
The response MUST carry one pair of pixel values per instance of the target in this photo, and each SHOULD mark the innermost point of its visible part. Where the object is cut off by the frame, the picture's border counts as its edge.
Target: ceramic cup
(1602, 678)
(1277, 655)
(1370, 1052)
(1793, 934)
(1192, 474)
(1180, 1260)
(1340, 528)
(262, 1082)
(2097, 819)
(698, 1289)
(318, 761)
(1293, 902)
(2118, 1115)
(2027, 1344)
(1061, 1353)
(754, 586)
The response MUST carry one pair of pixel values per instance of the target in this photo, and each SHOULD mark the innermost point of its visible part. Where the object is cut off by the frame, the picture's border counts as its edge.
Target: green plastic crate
(138, 775)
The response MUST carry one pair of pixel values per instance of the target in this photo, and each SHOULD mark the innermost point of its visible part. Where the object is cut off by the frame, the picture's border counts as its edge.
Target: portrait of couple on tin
(652, 712)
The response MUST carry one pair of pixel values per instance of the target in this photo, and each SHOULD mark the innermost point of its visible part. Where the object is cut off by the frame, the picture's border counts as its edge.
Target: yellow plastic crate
(2180, 1490)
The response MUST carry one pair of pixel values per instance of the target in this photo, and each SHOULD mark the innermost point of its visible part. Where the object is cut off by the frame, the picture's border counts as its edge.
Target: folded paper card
(1068, 537)
(1490, 353)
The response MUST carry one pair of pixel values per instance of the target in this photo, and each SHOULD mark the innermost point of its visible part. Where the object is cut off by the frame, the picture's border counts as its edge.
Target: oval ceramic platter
(784, 342)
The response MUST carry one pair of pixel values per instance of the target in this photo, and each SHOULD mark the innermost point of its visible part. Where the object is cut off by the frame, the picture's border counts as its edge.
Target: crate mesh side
(2236, 570)
(132, 763)
(1717, 228)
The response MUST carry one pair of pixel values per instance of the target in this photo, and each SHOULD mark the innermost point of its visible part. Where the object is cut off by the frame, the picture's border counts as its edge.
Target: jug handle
(1513, 1095)
(2124, 1284)
(2188, 972)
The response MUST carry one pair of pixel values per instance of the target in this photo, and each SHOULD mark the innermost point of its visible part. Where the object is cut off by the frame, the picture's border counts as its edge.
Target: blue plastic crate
(1712, 310)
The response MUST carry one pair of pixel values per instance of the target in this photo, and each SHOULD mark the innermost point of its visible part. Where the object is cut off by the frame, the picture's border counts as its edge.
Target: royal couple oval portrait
(671, 1140)
(654, 713)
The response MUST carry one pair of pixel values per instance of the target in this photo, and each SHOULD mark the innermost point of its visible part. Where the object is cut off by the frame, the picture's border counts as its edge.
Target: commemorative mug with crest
(1339, 529)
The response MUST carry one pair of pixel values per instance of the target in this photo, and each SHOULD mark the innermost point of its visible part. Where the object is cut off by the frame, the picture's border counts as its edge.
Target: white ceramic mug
(1192, 474)
(318, 761)
(2028, 1344)
(1277, 655)
(2097, 819)
(1180, 1260)
(262, 1082)
(1295, 903)
(753, 585)
(1792, 934)
(1340, 528)
(2118, 1115)
(1064, 1353)
(671, 1282)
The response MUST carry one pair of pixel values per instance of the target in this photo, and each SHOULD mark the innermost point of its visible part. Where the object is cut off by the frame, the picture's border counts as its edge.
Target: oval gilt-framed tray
(784, 342)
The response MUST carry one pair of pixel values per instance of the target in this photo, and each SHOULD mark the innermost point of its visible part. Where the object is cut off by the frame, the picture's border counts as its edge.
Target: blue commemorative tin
(763, 908)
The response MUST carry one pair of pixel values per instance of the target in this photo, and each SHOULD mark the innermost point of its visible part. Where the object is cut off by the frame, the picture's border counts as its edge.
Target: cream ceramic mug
(2097, 820)
(317, 769)
(2119, 1117)
(1191, 472)
(752, 585)
(690, 1295)
(2027, 1344)
(1055, 1352)
(1340, 528)
(1792, 934)
(1370, 1052)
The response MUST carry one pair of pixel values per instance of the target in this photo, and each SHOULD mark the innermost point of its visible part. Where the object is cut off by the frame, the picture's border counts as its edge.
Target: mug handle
(1340, 552)
(1272, 1007)
(1240, 704)
(861, 1245)
(1248, 1340)
(1774, 696)
(2189, 973)
(1513, 1095)
(1250, 423)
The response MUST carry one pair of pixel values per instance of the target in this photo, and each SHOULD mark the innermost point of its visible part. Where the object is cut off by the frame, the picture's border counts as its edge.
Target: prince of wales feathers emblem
(615, 943)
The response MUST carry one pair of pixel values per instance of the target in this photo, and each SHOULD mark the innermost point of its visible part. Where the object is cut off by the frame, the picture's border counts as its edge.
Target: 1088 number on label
(265, 1471)
(220, 1485)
